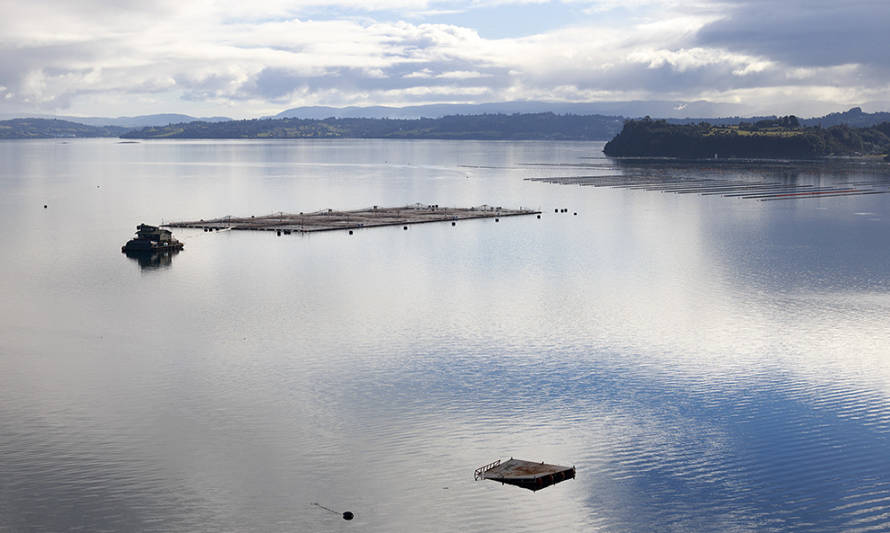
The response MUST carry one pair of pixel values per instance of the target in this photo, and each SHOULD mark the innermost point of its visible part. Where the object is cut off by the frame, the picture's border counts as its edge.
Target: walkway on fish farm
(329, 220)
(749, 190)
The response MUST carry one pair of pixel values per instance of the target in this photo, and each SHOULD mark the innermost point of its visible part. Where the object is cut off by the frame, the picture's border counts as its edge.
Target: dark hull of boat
(139, 245)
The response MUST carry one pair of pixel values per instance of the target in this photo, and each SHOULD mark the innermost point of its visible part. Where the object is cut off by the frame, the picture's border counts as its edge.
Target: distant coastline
(849, 133)
(519, 126)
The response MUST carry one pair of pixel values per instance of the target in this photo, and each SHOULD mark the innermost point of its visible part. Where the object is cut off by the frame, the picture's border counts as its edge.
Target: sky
(246, 59)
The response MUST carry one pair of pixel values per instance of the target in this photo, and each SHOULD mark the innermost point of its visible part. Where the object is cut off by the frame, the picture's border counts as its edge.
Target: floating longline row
(748, 190)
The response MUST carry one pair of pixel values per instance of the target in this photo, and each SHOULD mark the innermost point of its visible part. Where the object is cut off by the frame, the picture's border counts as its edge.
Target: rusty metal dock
(525, 474)
(331, 220)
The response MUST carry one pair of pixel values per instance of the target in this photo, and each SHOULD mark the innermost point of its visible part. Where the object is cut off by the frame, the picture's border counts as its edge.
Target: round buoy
(44, 206)
(497, 220)
(576, 214)
(348, 515)
(539, 216)
(350, 232)
(556, 210)
(278, 232)
(452, 223)
(404, 227)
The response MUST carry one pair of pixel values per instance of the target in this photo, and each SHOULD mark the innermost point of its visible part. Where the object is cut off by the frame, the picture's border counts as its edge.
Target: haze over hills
(140, 121)
(662, 109)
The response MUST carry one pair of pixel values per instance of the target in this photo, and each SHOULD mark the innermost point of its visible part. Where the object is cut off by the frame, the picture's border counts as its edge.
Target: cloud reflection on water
(706, 363)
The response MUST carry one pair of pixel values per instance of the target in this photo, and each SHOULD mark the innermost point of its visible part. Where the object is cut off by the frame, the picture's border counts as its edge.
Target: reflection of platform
(525, 474)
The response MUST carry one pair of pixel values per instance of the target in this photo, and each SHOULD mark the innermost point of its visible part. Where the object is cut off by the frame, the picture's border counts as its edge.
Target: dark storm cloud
(806, 33)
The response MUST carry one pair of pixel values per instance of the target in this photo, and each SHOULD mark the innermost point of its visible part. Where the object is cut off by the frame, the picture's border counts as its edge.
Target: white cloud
(176, 56)
(461, 75)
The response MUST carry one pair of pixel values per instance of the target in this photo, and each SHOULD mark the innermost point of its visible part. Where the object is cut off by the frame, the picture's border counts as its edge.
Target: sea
(706, 362)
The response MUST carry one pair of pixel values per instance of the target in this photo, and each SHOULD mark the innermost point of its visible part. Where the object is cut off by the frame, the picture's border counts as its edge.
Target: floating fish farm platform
(749, 190)
(525, 474)
(330, 220)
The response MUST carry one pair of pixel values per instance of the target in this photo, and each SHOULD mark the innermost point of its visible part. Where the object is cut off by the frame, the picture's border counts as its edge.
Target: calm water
(706, 363)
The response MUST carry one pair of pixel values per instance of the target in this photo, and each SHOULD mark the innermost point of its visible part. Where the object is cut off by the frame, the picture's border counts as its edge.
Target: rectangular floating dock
(330, 220)
(525, 474)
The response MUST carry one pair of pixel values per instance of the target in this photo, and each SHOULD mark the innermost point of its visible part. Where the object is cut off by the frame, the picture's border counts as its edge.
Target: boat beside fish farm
(330, 220)
(525, 474)
(152, 239)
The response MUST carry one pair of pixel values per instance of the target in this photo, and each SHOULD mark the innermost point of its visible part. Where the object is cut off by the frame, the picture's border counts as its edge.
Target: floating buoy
(497, 220)
(278, 232)
(350, 232)
(347, 515)
(44, 206)
(576, 214)
(556, 210)
(539, 216)
(452, 223)
(404, 227)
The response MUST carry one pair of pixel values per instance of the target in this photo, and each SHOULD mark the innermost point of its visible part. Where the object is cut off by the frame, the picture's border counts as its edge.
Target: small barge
(526, 474)
(151, 239)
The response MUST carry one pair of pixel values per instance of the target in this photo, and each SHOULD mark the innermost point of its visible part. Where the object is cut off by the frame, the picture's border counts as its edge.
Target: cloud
(179, 56)
(804, 32)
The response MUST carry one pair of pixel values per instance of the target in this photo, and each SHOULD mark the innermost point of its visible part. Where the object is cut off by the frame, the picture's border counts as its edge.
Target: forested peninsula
(782, 137)
(46, 128)
(525, 126)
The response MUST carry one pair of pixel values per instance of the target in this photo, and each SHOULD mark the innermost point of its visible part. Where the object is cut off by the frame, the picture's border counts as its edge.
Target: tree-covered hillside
(43, 128)
(782, 137)
(532, 126)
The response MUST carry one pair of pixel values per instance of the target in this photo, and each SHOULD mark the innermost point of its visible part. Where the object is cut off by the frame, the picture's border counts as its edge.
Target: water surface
(706, 363)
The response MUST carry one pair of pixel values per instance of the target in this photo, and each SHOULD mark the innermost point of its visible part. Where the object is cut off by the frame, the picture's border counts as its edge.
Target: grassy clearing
(766, 132)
